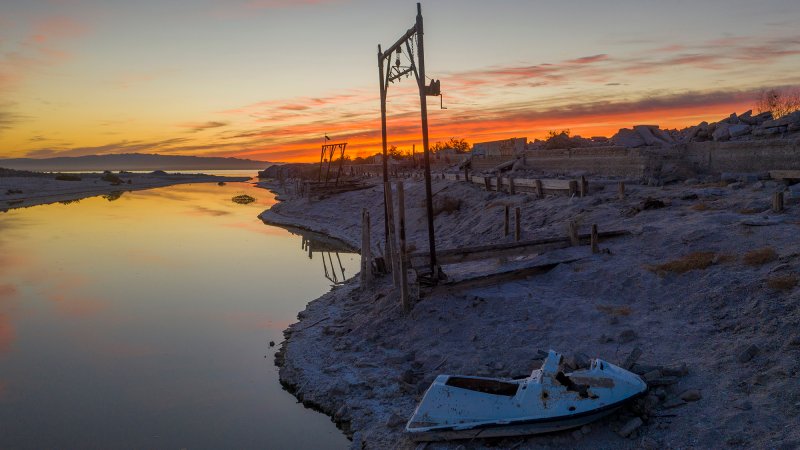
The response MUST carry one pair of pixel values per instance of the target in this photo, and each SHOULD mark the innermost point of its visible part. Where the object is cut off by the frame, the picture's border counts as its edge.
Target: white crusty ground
(356, 356)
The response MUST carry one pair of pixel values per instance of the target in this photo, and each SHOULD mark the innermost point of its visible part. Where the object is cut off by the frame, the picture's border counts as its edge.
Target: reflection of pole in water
(341, 266)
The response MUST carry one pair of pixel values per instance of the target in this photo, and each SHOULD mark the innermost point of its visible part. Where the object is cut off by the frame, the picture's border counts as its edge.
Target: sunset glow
(268, 79)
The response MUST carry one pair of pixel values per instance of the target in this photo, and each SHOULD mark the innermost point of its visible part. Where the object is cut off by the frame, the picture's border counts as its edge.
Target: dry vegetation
(782, 282)
(616, 311)
(760, 256)
(692, 261)
(702, 206)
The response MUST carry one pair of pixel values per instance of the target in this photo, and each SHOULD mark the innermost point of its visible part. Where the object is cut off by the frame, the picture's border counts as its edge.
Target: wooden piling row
(366, 253)
(401, 212)
(777, 202)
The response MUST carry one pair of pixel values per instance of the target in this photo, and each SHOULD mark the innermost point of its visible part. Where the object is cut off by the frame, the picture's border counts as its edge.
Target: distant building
(505, 147)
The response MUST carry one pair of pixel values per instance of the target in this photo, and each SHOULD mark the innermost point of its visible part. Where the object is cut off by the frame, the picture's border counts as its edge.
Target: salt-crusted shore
(25, 191)
(733, 321)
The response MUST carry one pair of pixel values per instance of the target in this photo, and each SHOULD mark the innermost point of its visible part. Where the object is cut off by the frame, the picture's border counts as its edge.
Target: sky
(268, 79)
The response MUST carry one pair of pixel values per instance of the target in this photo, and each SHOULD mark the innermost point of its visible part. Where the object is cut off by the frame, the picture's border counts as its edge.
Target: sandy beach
(33, 188)
(705, 285)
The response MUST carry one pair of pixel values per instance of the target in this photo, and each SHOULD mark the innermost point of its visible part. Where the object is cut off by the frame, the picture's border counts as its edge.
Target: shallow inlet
(143, 320)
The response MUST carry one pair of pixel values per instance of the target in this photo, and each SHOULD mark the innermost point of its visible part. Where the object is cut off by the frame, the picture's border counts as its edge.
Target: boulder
(626, 137)
(739, 130)
(721, 132)
(646, 132)
(747, 118)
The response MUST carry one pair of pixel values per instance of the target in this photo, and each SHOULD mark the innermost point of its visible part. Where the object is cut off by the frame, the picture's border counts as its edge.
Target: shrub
(111, 178)
(67, 177)
(782, 282)
(692, 261)
(760, 256)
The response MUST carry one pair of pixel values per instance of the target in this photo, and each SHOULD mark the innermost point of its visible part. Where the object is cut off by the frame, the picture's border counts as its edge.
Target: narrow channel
(143, 320)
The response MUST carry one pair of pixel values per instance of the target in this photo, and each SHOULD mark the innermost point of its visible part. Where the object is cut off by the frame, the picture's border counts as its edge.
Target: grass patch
(760, 256)
(616, 311)
(67, 177)
(782, 282)
(692, 261)
(243, 199)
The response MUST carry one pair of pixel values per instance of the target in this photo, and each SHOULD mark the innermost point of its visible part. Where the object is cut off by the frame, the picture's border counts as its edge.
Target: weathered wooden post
(487, 183)
(466, 174)
(621, 189)
(366, 253)
(583, 186)
(539, 188)
(573, 188)
(505, 222)
(572, 232)
(595, 247)
(517, 221)
(391, 251)
(512, 189)
(499, 183)
(777, 202)
(401, 212)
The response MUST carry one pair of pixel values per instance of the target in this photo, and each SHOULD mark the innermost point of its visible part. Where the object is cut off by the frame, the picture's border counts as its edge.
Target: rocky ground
(707, 279)
(19, 189)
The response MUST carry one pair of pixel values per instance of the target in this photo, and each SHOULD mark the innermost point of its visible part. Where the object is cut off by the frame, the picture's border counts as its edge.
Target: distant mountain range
(131, 161)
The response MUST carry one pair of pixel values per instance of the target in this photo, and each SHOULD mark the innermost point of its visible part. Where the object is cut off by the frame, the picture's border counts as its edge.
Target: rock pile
(734, 128)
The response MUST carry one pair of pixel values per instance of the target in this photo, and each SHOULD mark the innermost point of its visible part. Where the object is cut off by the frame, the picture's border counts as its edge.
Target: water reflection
(144, 322)
(329, 251)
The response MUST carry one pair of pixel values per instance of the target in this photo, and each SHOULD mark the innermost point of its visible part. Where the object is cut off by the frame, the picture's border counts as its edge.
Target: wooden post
(499, 183)
(401, 212)
(517, 221)
(511, 188)
(505, 223)
(572, 232)
(539, 188)
(583, 186)
(392, 247)
(595, 248)
(777, 202)
(487, 183)
(366, 257)
(573, 187)
(466, 174)
(621, 188)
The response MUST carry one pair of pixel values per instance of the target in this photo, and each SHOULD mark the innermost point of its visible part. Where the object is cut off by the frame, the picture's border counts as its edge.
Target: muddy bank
(40, 188)
(708, 278)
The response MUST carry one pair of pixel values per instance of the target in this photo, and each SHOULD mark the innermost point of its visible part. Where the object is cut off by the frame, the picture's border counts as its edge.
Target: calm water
(142, 322)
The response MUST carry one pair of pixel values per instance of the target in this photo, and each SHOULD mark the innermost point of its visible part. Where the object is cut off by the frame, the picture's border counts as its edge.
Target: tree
(780, 102)
(557, 139)
(394, 152)
(459, 145)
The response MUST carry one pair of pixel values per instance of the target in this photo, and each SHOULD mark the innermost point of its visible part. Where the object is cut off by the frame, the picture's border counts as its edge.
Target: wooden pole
(573, 187)
(512, 189)
(621, 190)
(595, 247)
(401, 212)
(487, 183)
(505, 222)
(539, 189)
(777, 202)
(466, 174)
(366, 256)
(392, 248)
(572, 232)
(499, 183)
(517, 221)
(583, 187)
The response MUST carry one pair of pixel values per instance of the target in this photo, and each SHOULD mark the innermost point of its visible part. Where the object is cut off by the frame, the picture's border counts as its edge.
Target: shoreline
(355, 356)
(44, 189)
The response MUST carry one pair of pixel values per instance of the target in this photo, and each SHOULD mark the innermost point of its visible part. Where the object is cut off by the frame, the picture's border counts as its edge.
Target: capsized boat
(462, 407)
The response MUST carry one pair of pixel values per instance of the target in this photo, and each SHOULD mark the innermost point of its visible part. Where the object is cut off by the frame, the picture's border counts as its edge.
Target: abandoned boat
(462, 407)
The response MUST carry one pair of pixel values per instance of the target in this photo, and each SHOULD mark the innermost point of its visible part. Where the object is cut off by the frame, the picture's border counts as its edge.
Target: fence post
(401, 212)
